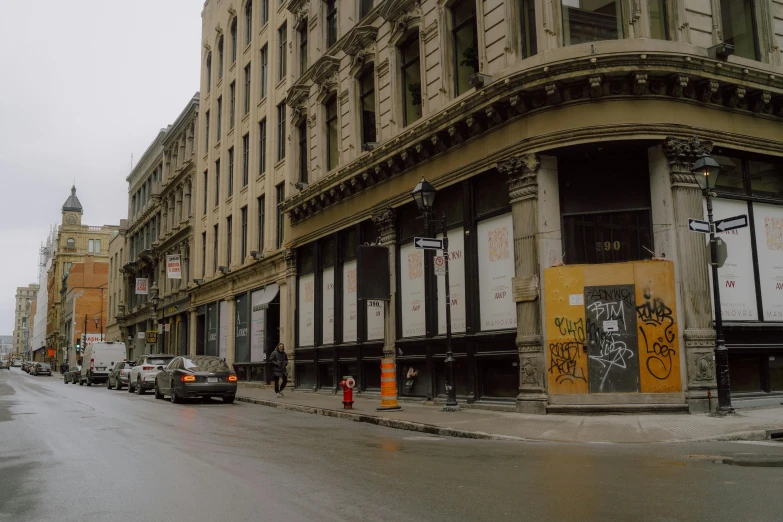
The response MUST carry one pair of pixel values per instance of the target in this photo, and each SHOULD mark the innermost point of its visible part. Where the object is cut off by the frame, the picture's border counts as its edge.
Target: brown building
(85, 297)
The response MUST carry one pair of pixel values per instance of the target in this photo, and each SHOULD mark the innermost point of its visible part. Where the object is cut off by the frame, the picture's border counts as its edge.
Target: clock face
(71, 219)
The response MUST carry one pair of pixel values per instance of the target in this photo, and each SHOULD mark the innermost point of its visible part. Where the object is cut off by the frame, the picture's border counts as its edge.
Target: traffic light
(78, 346)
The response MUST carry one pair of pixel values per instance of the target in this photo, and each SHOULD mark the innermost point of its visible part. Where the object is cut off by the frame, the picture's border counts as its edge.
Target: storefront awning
(268, 295)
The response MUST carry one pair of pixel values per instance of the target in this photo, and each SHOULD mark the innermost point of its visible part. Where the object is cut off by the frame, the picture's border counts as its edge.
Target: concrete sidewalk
(750, 424)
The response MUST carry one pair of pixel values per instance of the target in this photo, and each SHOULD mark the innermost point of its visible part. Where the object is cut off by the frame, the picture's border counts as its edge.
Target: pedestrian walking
(279, 360)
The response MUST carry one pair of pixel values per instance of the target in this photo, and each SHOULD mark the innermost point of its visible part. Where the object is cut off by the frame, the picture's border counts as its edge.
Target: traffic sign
(697, 225)
(439, 263)
(723, 225)
(428, 243)
(721, 252)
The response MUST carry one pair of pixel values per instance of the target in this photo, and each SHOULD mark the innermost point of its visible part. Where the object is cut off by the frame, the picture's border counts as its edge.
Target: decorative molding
(385, 223)
(682, 152)
(392, 9)
(358, 39)
(522, 173)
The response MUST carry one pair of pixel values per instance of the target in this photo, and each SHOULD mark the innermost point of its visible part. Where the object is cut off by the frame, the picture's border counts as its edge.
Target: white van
(98, 359)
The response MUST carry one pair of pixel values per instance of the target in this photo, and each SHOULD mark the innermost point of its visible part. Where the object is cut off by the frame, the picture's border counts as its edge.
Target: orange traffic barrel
(388, 386)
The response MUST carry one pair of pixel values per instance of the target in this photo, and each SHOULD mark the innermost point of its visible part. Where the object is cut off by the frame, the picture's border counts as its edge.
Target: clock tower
(72, 210)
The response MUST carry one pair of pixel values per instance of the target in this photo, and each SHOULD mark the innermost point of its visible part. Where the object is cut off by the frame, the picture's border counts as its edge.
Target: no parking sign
(439, 263)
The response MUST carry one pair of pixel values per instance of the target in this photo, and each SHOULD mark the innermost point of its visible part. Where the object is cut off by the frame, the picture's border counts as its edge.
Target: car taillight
(92, 364)
(188, 378)
(232, 378)
(147, 367)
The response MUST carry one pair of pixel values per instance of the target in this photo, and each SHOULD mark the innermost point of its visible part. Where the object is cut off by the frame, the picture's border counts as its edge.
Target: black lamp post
(706, 170)
(424, 196)
(97, 318)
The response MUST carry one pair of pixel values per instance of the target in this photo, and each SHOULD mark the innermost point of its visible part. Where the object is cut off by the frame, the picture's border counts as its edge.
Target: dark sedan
(40, 368)
(119, 375)
(72, 375)
(200, 376)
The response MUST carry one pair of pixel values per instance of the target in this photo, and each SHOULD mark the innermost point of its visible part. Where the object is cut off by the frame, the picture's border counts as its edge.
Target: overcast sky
(85, 84)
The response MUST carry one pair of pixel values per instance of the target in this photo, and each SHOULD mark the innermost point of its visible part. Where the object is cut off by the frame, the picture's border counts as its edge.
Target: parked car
(118, 376)
(41, 368)
(17, 363)
(201, 376)
(72, 375)
(98, 360)
(26, 366)
(5, 365)
(142, 376)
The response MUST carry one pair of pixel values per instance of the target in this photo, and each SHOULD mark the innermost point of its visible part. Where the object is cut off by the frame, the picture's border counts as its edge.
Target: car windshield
(43, 365)
(127, 366)
(159, 360)
(205, 364)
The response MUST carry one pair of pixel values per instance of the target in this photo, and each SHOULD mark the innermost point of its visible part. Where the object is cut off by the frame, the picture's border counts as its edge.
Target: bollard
(388, 386)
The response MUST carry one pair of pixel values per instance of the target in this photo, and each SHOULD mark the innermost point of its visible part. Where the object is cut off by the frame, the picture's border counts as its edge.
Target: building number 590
(606, 246)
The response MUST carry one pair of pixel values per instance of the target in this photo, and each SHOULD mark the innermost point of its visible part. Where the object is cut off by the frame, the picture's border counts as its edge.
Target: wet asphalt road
(71, 453)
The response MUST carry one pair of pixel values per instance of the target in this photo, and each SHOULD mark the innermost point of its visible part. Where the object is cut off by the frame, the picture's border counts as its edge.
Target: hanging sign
(142, 285)
(152, 337)
(174, 266)
(439, 263)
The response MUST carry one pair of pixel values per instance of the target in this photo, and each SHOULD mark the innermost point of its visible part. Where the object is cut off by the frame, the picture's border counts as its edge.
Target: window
(214, 249)
(97, 246)
(70, 243)
(527, 18)
(591, 21)
(243, 239)
(219, 118)
(303, 48)
(232, 104)
(247, 89)
(264, 69)
(302, 132)
(248, 21)
(365, 6)
(332, 136)
(262, 146)
(91, 246)
(233, 40)
(739, 28)
(203, 254)
(282, 37)
(217, 182)
(331, 22)
(281, 131)
(411, 80)
(206, 132)
(280, 193)
(261, 205)
(245, 159)
(659, 28)
(231, 172)
(229, 230)
(264, 11)
(220, 56)
(209, 71)
(367, 102)
(206, 187)
(464, 42)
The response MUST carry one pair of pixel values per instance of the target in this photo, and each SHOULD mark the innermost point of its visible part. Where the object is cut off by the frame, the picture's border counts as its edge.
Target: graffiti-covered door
(612, 349)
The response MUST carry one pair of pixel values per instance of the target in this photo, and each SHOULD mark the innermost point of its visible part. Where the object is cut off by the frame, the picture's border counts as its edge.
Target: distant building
(38, 335)
(25, 297)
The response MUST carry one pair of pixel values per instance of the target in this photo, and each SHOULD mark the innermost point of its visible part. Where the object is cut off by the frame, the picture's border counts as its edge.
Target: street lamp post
(97, 318)
(424, 196)
(706, 170)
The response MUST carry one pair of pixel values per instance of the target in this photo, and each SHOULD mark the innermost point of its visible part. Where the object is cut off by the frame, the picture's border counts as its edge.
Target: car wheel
(173, 396)
(108, 384)
(81, 382)
(139, 388)
(158, 395)
(65, 380)
(118, 385)
(229, 399)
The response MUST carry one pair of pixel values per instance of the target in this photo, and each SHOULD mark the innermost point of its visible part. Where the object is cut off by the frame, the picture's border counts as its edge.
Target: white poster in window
(349, 302)
(223, 337)
(257, 329)
(375, 320)
(496, 270)
(769, 245)
(735, 279)
(412, 291)
(456, 284)
(307, 310)
(142, 286)
(328, 306)
(174, 266)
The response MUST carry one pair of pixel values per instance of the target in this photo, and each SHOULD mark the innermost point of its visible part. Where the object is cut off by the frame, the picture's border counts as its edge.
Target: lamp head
(706, 170)
(424, 195)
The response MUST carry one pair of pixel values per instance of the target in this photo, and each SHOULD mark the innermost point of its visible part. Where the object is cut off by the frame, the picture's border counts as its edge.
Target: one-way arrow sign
(697, 225)
(722, 225)
(428, 243)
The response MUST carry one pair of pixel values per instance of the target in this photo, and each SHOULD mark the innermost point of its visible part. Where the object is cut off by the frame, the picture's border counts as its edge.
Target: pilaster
(523, 191)
(231, 330)
(193, 333)
(695, 297)
(288, 307)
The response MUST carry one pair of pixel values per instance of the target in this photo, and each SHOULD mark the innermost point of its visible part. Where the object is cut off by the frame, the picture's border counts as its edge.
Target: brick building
(85, 303)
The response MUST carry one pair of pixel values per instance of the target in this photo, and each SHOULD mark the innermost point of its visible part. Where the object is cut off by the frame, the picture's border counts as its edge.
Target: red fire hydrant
(347, 384)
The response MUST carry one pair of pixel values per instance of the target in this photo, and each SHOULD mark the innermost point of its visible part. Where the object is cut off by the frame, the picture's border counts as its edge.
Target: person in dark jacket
(279, 360)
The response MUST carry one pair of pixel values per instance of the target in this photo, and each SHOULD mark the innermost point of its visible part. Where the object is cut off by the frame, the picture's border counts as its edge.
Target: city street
(88, 453)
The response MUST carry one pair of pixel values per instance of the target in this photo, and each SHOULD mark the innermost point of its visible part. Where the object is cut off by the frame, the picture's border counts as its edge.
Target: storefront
(173, 328)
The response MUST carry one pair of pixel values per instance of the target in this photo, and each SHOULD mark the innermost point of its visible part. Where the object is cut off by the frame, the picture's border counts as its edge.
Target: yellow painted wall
(656, 323)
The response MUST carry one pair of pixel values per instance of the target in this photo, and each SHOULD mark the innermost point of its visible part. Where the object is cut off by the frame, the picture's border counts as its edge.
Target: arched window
(209, 71)
(220, 56)
(234, 40)
(71, 243)
(248, 21)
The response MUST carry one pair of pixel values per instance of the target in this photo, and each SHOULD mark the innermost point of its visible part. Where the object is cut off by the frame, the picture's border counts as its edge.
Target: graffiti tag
(654, 314)
(570, 328)
(563, 357)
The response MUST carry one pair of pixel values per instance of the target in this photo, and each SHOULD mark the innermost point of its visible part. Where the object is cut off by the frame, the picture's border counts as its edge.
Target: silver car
(142, 375)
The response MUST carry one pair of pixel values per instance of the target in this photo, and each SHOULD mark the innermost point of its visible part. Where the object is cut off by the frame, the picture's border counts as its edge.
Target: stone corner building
(559, 136)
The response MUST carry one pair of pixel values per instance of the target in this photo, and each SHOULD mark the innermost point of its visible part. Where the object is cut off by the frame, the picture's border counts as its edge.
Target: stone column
(288, 308)
(523, 191)
(193, 332)
(188, 199)
(231, 330)
(695, 297)
(384, 222)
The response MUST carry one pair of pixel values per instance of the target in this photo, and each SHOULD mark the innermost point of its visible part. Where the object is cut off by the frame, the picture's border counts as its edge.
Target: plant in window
(415, 90)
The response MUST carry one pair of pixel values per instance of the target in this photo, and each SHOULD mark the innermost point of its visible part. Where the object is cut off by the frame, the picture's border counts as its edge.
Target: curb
(419, 427)
(432, 429)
